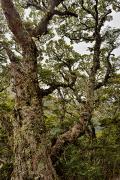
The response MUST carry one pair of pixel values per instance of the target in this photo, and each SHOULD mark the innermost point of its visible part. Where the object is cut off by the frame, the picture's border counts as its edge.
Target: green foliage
(6, 155)
(6, 107)
(59, 62)
(6, 102)
(5, 171)
(100, 158)
(90, 160)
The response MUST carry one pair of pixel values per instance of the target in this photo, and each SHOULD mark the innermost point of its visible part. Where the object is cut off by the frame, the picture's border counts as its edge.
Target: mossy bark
(32, 160)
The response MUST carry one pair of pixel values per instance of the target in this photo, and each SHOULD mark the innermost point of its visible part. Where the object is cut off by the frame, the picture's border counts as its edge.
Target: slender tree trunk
(32, 160)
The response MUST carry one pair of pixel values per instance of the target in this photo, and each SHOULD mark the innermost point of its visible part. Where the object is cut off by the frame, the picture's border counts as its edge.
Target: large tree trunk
(32, 160)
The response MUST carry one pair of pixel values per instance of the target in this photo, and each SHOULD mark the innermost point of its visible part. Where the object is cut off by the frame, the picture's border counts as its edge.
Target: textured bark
(68, 137)
(32, 160)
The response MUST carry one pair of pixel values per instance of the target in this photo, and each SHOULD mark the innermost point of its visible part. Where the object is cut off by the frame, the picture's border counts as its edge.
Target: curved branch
(50, 12)
(55, 12)
(103, 18)
(42, 26)
(86, 9)
(70, 136)
(54, 86)
(107, 75)
(15, 23)
(98, 39)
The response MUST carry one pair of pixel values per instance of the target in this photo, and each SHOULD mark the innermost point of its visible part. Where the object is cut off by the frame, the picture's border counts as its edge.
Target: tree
(33, 157)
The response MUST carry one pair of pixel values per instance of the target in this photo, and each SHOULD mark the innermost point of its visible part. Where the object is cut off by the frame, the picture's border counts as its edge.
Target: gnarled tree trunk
(32, 160)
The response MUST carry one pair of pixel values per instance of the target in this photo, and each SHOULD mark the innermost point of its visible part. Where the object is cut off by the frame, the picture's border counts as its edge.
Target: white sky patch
(67, 40)
(117, 51)
(27, 13)
(8, 36)
(116, 20)
(82, 47)
(56, 37)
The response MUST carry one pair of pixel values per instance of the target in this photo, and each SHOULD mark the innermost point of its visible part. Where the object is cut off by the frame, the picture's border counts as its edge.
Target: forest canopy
(59, 90)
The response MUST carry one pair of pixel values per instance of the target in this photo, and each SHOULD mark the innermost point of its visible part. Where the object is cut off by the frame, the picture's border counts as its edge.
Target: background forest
(80, 88)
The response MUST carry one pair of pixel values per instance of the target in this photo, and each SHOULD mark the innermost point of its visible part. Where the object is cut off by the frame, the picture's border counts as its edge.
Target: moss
(6, 171)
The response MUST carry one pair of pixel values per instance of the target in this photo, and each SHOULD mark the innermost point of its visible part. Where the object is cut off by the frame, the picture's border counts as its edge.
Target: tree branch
(55, 12)
(50, 12)
(36, 5)
(15, 24)
(98, 39)
(107, 75)
(42, 26)
(65, 13)
(103, 18)
(86, 9)
(70, 136)
(54, 86)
